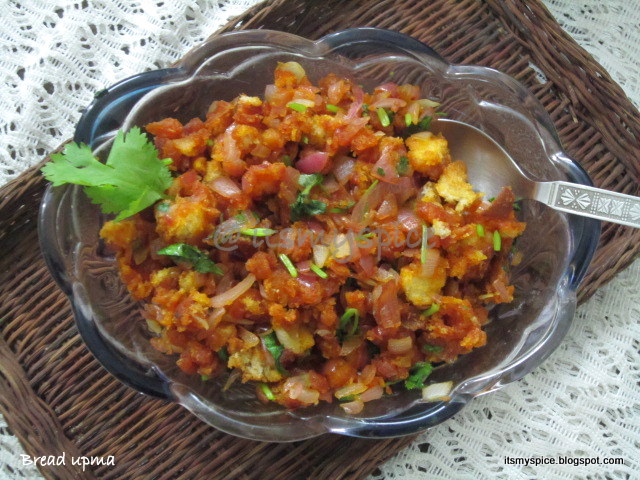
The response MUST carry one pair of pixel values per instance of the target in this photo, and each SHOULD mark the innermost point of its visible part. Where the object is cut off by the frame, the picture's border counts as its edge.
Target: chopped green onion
(371, 187)
(441, 114)
(365, 109)
(385, 121)
(432, 348)
(367, 235)
(204, 378)
(210, 143)
(298, 107)
(486, 295)
(288, 265)
(267, 391)
(305, 139)
(342, 209)
(492, 199)
(421, 371)
(348, 398)
(318, 271)
(480, 230)
(423, 245)
(497, 241)
(516, 206)
(333, 108)
(403, 165)
(408, 119)
(241, 217)
(380, 171)
(434, 308)
(257, 232)
(286, 159)
(349, 313)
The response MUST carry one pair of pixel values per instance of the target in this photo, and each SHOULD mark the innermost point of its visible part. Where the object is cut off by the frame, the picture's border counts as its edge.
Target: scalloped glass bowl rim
(409, 421)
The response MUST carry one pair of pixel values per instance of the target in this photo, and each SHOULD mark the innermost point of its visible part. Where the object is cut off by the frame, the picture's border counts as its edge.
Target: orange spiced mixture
(319, 241)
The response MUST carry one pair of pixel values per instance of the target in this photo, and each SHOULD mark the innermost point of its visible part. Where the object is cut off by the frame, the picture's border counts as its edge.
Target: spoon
(490, 168)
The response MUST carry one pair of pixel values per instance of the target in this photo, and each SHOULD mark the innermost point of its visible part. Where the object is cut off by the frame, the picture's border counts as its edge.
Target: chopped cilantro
(182, 252)
(432, 348)
(275, 349)
(403, 165)
(421, 126)
(305, 206)
(380, 171)
(223, 354)
(286, 159)
(419, 373)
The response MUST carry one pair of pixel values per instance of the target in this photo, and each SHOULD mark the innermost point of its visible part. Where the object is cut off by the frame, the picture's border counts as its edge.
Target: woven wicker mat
(57, 398)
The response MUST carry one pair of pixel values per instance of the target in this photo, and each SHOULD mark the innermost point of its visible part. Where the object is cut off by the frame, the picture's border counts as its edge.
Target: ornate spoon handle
(590, 202)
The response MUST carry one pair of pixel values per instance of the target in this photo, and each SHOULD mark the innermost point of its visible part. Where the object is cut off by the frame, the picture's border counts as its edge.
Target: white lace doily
(584, 401)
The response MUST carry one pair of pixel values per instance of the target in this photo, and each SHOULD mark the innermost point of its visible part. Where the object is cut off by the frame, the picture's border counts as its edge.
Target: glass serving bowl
(556, 248)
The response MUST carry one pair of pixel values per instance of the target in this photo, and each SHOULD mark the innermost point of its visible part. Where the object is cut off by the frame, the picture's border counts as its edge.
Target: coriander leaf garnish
(132, 179)
(275, 349)
(420, 372)
(181, 252)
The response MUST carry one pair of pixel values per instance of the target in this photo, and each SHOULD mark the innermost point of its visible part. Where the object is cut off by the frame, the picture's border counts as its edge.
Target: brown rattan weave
(57, 398)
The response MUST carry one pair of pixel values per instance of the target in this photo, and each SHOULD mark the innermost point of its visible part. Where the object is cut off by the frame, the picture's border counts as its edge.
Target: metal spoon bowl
(490, 168)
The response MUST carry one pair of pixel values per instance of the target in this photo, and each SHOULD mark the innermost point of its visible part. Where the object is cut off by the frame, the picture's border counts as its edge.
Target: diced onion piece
(154, 326)
(426, 102)
(233, 293)
(305, 102)
(353, 408)
(408, 219)
(437, 392)
(374, 393)
(312, 162)
(341, 246)
(431, 261)
(295, 388)
(320, 255)
(225, 187)
(400, 345)
(233, 376)
(293, 67)
(343, 169)
(349, 345)
(501, 288)
(348, 390)
(392, 103)
(250, 339)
